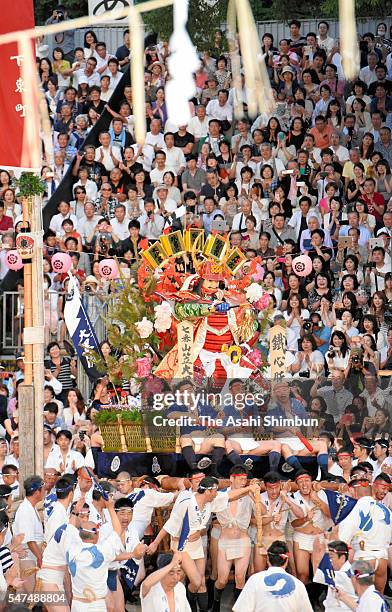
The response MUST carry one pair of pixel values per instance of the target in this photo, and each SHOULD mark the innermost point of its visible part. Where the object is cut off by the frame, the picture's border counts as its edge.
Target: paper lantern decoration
(108, 269)
(302, 265)
(13, 260)
(61, 263)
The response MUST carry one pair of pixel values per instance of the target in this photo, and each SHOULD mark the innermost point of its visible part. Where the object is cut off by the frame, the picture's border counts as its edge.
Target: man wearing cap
(274, 590)
(189, 517)
(27, 522)
(367, 529)
(365, 587)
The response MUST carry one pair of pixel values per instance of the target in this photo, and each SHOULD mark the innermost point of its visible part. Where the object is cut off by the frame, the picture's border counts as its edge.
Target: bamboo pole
(27, 299)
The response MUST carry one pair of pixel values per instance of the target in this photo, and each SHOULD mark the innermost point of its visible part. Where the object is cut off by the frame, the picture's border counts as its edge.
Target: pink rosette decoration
(143, 367)
(61, 263)
(263, 302)
(255, 357)
(108, 269)
(259, 275)
(13, 260)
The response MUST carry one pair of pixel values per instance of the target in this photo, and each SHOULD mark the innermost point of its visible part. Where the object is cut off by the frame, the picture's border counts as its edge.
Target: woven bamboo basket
(111, 435)
(135, 438)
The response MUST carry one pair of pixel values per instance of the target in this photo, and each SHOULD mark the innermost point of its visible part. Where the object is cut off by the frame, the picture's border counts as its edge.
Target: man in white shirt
(114, 73)
(340, 152)
(88, 222)
(274, 590)
(375, 276)
(221, 109)
(56, 221)
(267, 159)
(28, 522)
(198, 125)
(87, 75)
(109, 156)
(323, 40)
(334, 554)
(156, 175)
(102, 57)
(63, 459)
(175, 159)
(368, 73)
(367, 529)
(239, 220)
(120, 222)
(151, 223)
(154, 137)
(165, 585)
(89, 559)
(369, 597)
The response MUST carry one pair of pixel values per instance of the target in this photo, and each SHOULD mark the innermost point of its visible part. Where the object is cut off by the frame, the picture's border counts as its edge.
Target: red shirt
(6, 223)
(378, 200)
(322, 139)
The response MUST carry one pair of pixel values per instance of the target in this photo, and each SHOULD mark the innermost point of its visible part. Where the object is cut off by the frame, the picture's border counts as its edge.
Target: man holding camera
(64, 40)
(151, 223)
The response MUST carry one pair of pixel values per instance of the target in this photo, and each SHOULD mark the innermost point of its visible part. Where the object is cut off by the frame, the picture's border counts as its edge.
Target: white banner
(99, 7)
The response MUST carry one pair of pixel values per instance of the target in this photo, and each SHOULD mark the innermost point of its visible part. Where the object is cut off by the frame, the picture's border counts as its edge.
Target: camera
(149, 214)
(331, 352)
(323, 175)
(82, 435)
(305, 374)
(88, 288)
(60, 15)
(357, 358)
(308, 325)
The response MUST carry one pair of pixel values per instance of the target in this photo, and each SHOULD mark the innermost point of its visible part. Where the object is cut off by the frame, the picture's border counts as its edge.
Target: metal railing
(11, 320)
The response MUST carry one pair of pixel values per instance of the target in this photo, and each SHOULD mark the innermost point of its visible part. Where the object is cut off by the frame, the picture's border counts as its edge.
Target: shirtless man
(276, 504)
(234, 546)
(315, 521)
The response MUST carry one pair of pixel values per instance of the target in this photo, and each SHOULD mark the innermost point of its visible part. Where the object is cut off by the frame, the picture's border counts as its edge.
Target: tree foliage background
(204, 18)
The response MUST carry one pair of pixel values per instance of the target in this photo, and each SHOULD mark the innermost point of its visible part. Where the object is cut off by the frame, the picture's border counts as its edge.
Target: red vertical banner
(12, 109)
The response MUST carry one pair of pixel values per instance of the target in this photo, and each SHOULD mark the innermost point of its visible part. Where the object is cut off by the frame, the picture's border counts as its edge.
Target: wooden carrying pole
(259, 520)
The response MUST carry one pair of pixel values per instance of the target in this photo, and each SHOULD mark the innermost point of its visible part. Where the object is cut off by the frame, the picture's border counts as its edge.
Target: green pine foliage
(127, 308)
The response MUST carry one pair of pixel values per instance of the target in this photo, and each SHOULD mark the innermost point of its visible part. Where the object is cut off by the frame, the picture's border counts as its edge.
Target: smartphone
(345, 242)
(286, 172)
(376, 242)
(281, 135)
(301, 184)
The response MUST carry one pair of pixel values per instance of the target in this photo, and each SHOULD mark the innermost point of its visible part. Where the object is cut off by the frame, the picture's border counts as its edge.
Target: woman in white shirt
(75, 409)
(295, 314)
(338, 354)
(309, 361)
